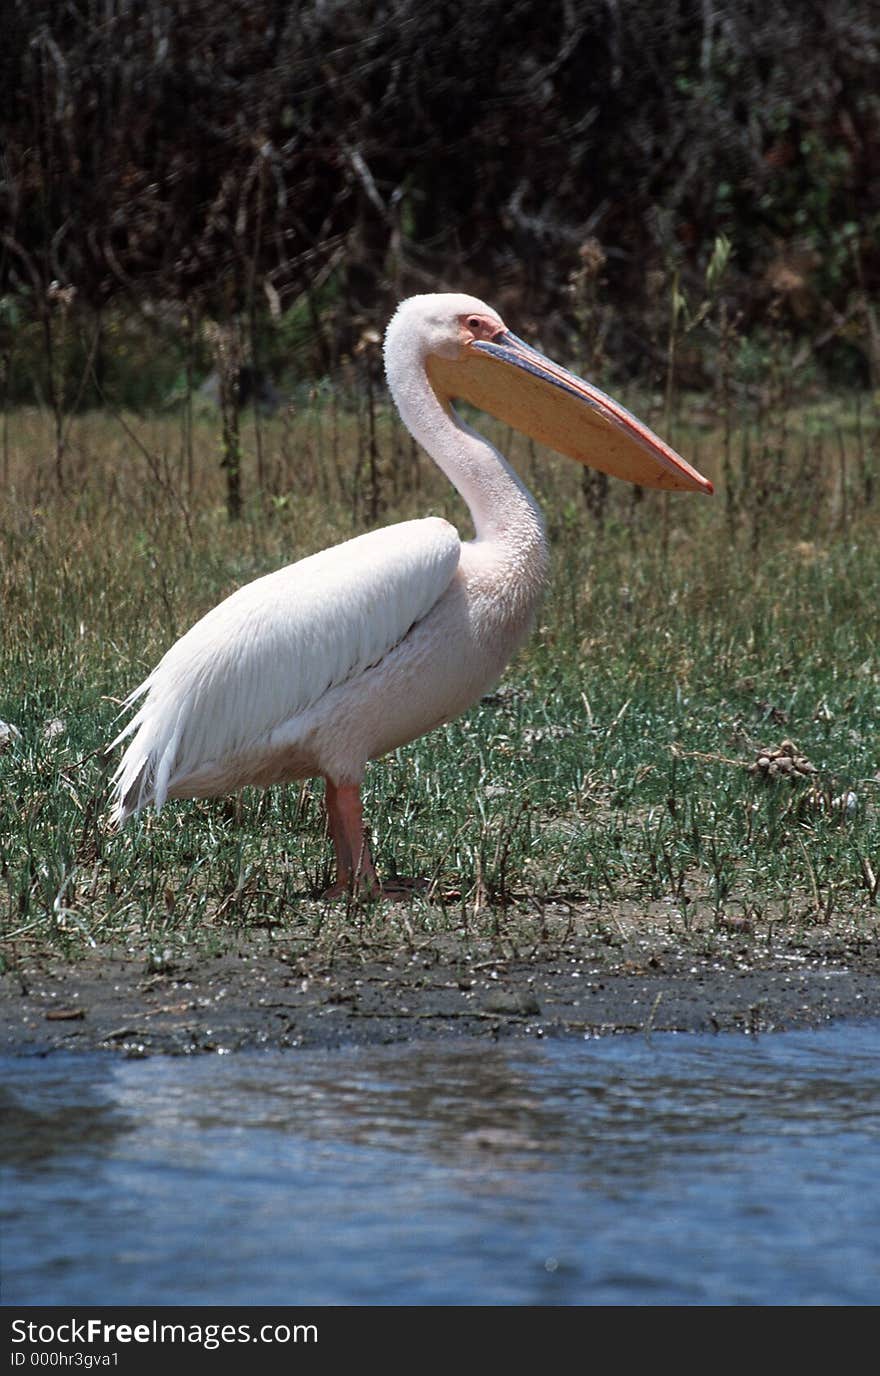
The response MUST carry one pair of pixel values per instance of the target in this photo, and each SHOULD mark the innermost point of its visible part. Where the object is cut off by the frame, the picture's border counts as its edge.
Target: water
(681, 1170)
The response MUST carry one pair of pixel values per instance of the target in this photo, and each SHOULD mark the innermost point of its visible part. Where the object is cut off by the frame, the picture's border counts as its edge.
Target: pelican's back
(273, 648)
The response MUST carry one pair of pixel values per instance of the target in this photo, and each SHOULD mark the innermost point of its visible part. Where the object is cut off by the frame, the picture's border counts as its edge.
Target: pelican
(347, 654)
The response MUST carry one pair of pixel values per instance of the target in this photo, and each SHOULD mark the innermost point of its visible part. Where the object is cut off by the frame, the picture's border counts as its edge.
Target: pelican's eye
(481, 326)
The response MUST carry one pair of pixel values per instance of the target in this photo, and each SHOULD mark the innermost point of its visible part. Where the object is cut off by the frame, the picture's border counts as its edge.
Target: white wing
(275, 647)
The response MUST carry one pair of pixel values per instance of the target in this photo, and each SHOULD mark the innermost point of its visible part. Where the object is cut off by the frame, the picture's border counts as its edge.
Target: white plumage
(272, 650)
(334, 660)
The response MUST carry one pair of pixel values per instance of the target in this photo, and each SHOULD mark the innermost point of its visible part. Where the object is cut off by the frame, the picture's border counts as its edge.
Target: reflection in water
(683, 1170)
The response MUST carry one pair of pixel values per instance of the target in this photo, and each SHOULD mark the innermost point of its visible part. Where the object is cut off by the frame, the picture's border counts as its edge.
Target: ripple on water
(679, 1170)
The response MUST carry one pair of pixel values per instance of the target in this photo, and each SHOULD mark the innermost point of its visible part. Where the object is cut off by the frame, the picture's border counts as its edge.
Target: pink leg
(354, 864)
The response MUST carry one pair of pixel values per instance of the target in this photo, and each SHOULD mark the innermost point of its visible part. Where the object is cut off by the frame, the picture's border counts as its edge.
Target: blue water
(680, 1170)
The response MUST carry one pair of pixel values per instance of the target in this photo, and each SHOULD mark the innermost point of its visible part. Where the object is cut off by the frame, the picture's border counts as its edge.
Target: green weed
(608, 772)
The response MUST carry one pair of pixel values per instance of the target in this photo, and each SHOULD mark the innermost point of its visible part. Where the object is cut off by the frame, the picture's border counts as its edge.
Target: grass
(607, 775)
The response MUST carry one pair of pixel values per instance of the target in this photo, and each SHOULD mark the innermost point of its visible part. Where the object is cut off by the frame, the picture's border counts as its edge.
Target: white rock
(8, 734)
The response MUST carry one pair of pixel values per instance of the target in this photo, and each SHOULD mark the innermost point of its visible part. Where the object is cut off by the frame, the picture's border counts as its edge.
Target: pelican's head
(441, 325)
(469, 353)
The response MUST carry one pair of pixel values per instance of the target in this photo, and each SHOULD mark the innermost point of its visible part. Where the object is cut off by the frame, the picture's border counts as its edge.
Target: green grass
(607, 775)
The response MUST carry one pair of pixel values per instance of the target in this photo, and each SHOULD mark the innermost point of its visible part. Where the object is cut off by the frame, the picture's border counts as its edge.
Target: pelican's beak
(519, 386)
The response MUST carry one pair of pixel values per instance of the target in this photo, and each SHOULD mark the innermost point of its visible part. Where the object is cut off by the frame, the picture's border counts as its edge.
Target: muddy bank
(266, 994)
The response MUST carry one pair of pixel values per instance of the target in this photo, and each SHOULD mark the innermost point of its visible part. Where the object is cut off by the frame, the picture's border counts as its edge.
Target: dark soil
(272, 994)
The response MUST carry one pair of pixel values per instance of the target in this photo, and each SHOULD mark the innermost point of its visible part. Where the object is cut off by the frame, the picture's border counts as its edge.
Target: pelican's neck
(502, 508)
